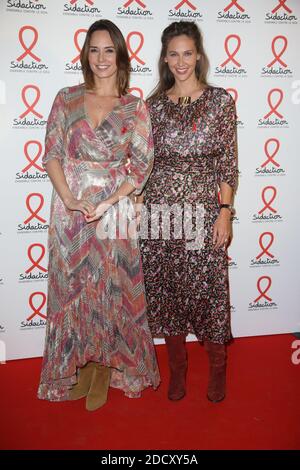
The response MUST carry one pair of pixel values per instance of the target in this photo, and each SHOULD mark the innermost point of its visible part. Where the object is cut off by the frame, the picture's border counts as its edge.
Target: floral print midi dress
(187, 289)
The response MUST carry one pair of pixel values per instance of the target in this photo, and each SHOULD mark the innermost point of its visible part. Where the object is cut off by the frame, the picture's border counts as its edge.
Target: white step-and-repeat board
(253, 50)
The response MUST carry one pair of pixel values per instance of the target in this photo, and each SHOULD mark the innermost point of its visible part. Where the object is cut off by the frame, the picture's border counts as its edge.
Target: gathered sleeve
(55, 131)
(141, 152)
(227, 163)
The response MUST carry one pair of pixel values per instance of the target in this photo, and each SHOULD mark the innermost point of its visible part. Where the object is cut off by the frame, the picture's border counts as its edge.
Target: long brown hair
(122, 59)
(166, 78)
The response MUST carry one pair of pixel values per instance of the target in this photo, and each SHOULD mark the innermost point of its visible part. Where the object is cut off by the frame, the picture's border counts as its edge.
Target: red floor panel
(261, 411)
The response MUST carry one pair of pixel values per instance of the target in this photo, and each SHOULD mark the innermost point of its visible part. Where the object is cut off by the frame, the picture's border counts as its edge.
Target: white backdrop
(252, 46)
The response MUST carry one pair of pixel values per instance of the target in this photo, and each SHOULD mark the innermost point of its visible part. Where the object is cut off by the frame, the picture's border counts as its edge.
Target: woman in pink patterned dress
(97, 332)
(194, 140)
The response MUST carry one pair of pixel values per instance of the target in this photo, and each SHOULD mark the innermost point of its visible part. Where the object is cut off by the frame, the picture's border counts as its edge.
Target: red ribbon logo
(37, 311)
(263, 246)
(282, 3)
(271, 199)
(234, 3)
(234, 93)
(273, 108)
(138, 90)
(90, 2)
(32, 162)
(136, 1)
(270, 156)
(35, 262)
(28, 49)
(231, 55)
(79, 31)
(180, 4)
(263, 292)
(278, 55)
(30, 107)
(34, 212)
(134, 54)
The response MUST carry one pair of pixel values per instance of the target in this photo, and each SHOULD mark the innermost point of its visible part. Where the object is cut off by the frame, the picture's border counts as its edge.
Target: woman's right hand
(81, 205)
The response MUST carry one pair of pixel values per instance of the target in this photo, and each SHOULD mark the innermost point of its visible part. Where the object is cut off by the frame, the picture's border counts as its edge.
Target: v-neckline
(106, 117)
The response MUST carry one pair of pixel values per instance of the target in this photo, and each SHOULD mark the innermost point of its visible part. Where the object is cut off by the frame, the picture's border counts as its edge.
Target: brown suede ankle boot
(81, 389)
(97, 395)
(217, 377)
(178, 366)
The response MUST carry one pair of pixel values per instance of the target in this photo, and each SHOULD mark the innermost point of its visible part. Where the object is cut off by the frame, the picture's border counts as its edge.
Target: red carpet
(261, 411)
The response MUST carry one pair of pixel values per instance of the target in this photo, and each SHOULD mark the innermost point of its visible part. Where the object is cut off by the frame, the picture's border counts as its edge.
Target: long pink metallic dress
(96, 295)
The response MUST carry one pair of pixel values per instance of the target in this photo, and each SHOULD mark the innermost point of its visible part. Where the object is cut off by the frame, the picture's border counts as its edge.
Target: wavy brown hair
(122, 59)
(166, 78)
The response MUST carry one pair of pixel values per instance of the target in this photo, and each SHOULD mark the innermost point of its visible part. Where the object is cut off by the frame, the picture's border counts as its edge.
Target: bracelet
(229, 207)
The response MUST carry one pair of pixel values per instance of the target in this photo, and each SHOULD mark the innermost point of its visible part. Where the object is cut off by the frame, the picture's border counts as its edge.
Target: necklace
(101, 101)
(184, 100)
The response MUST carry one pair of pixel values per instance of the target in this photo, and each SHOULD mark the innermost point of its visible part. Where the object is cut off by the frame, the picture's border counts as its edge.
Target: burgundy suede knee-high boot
(178, 366)
(217, 376)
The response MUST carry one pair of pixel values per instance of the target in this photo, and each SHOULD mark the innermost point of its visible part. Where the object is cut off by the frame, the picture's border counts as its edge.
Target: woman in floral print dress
(97, 331)
(194, 145)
